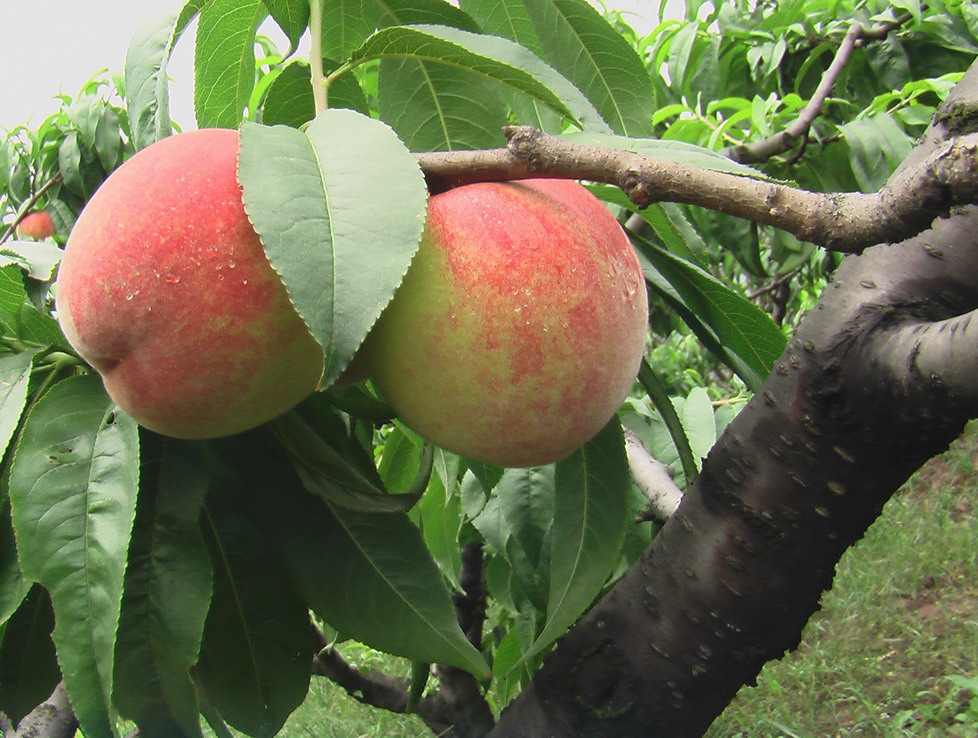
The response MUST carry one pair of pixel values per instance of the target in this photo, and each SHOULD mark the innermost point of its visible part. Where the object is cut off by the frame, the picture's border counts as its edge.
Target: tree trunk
(879, 378)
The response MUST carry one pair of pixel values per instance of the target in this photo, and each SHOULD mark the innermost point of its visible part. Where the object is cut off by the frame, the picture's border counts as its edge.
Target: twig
(25, 209)
(654, 479)
(781, 142)
(372, 688)
(847, 222)
(775, 284)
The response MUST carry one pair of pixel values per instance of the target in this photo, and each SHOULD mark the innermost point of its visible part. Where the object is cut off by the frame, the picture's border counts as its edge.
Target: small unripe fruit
(519, 327)
(37, 226)
(166, 291)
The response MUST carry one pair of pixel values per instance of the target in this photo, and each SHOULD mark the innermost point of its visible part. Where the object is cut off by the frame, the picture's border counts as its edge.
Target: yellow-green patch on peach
(519, 328)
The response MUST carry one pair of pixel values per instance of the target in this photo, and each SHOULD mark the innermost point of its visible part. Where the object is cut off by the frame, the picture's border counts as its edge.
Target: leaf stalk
(318, 80)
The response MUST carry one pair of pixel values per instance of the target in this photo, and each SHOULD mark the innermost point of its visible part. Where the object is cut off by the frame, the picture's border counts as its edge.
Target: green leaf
(492, 524)
(589, 52)
(256, 655)
(319, 412)
(73, 486)
(15, 374)
(147, 91)
(321, 456)
(6, 164)
(346, 23)
(13, 588)
(407, 12)
(70, 164)
(655, 388)
(504, 661)
(108, 137)
(369, 575)
(28, 664)
(698, 420)
(357, 400)
(84, 114)
(441, 515)
(289, 100)
(292, 16)
(491, 57)
(487, 474)
(351, 21)
(38, 258)
(526, 499)
(224, 60)
(526, 503)
(868, 153)
(434, 107)
(531, 108)
(19, 317)
(679, 52)
(500, 585)
(667, 222)
(400, 461)
(506, 18)
(742, 327)
(62, 215)
(167, 593)
(402, 605)
(316, 206)
(473, 495)
(590, 514)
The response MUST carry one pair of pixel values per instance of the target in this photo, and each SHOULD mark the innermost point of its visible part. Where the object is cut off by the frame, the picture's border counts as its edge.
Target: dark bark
(878, 379)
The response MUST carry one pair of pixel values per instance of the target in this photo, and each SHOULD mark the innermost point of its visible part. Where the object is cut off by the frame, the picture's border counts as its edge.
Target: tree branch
(53, 718)
(372, 688)
(654, 479)
(783, 141)
(848, 222)
(942, 353)
(470, 603)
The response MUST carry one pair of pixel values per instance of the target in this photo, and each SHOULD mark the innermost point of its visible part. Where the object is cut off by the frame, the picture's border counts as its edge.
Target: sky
(52, 46)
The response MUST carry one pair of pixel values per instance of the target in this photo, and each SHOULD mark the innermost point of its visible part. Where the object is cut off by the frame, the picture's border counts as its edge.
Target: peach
(166, 291)
(37, 225)
(519, 327)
